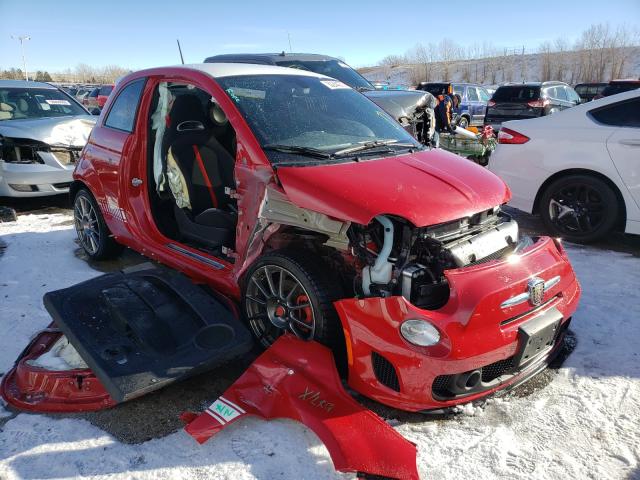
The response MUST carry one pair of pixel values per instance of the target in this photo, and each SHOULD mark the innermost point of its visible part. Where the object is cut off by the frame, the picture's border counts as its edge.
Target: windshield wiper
(298, 149)
(373, 145)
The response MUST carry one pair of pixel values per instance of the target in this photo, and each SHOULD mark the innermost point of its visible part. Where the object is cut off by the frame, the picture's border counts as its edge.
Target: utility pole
(21, 39)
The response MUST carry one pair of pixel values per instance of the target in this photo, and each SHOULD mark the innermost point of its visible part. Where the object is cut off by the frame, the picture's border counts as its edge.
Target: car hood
(68, 131)
(426, 188)
(401, 103)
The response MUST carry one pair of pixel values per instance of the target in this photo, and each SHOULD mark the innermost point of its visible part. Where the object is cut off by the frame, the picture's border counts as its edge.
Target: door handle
(630, 142)
(136, 182)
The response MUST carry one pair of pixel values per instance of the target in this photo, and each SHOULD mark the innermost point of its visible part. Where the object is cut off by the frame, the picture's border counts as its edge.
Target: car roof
(25, 84)
(267, 58)
(624, 81)
(220, 70)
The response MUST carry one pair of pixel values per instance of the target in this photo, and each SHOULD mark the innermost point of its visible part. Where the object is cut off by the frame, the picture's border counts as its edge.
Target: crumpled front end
(38, 157)
(491, 332)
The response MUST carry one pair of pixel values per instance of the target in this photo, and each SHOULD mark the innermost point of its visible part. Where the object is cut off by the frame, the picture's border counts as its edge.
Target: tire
(580, 208)
(463, 122)
(93, 233)
(269, 311)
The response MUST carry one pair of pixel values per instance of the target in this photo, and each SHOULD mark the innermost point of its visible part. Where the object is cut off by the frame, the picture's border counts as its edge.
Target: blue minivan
(474, 99)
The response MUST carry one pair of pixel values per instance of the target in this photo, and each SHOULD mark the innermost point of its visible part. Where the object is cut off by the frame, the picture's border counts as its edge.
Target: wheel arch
(622, 217)
(75, 187)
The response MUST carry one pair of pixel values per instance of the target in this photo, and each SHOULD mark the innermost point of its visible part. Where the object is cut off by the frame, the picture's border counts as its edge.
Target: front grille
(441, 383)
(497, 369)
(385, 371)
(444, 386)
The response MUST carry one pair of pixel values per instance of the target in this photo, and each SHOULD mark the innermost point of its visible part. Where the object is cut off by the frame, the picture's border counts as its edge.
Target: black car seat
(207, 168)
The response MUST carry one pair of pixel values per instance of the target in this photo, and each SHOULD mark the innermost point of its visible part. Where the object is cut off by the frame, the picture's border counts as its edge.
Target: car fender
(298, 380)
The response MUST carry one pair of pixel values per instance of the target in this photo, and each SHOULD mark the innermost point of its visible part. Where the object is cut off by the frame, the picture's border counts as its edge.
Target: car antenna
(180, 50)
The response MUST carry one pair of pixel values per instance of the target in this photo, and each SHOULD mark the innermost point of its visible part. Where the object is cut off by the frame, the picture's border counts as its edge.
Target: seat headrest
(5, 107)
(186, 108)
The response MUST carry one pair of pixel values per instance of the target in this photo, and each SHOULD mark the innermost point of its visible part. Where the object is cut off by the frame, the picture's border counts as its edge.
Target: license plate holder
(538, 335)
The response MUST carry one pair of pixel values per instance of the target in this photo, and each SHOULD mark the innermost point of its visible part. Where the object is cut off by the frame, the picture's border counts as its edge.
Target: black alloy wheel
(579, 208)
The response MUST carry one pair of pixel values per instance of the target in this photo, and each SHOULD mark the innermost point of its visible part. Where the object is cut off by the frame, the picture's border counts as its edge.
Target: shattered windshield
(331, 68)
(295, 116)
(21, 103)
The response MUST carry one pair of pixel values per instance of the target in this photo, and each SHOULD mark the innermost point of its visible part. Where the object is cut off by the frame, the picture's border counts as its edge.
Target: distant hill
(570, 66)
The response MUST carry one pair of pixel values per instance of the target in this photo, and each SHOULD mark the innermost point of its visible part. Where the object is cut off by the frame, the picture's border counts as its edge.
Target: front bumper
(35, 179)
(477, 334)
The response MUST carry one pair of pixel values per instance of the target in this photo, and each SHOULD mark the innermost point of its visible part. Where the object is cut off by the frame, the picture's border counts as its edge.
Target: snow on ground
(584, 424)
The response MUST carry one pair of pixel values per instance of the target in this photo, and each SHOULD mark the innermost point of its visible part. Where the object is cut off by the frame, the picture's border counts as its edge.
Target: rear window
(621, 114)
(105, 90)
(516, 93)
(619, 88)
(436, 89)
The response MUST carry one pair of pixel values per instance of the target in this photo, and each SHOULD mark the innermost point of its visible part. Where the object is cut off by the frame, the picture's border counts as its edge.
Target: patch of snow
(584, 424)
(61, 356)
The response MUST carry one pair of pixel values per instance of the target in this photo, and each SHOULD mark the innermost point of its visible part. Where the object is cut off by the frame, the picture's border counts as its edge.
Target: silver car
(42, 131)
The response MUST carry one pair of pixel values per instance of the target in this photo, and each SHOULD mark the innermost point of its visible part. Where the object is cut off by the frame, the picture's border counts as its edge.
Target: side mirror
(94, 111)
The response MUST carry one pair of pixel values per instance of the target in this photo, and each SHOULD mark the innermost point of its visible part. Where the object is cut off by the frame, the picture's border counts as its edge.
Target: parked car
(292, 196)
(474, 100)
(528, 100)
(618, 86)
(589, 91)
(90, 100)
(42, 131)
(577, 169)
(97, 97)
(414, 110)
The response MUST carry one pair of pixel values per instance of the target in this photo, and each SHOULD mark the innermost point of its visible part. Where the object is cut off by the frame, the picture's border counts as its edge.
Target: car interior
(191, 161)
(29, 103)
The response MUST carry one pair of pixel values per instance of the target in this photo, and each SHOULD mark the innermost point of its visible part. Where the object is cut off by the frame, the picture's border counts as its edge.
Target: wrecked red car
(291, 202)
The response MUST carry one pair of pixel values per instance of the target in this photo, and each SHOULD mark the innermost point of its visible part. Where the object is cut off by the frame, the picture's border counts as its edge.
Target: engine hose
(387, 244)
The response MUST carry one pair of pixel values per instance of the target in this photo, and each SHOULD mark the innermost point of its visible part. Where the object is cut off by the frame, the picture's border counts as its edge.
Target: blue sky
(136, 34)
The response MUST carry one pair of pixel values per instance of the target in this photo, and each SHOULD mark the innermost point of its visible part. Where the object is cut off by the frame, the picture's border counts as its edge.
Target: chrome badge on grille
(536, 289)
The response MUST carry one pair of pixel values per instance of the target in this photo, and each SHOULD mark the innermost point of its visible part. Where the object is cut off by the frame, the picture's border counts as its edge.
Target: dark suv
(414, 110)
(528, 100)
(589, 91)
(618, 86)
(474, 99)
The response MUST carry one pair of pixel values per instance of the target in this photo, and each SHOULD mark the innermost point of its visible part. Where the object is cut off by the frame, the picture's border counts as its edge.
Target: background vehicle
(528, 100)
(414, 110)
(619, 86)
(97, 97)
(589, 91)
(474, 97)
(578, 169)
(303, 225)
(42, 131)
(90, 100)
(103, 94)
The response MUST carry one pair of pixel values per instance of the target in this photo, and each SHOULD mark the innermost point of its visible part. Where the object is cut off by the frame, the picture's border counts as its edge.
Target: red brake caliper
(306, 314)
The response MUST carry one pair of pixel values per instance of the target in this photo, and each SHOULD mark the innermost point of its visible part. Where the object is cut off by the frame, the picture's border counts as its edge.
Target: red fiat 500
(303, 203)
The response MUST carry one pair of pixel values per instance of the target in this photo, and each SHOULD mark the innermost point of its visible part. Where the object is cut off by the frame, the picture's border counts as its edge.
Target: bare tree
(449, 51)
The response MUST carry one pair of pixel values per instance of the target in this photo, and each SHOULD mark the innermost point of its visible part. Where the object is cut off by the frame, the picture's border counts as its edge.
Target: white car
(578, 168)
(42, 131)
